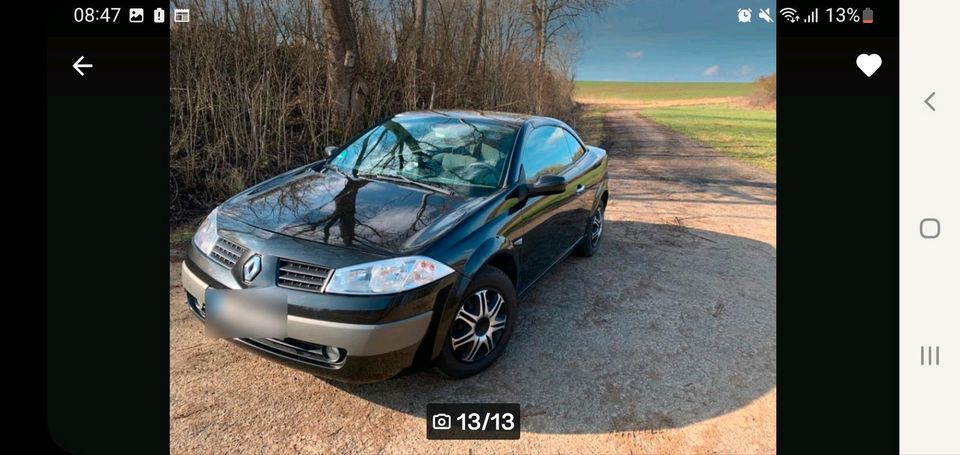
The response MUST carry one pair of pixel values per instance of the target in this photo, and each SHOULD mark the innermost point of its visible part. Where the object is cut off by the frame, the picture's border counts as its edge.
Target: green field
(655, 91)
(709, 112)
(744, 133)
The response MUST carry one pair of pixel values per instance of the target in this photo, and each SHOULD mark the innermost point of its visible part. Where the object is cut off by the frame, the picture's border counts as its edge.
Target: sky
(677, 41)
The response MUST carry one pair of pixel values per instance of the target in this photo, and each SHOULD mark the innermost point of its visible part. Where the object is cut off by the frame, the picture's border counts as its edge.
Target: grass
(744, 133)
(596, 91)
(713, 113)
(181, 236)
(590, 123)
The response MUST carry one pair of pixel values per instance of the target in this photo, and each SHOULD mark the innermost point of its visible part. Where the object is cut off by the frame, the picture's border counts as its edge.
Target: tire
(590, 244)
(456, 362)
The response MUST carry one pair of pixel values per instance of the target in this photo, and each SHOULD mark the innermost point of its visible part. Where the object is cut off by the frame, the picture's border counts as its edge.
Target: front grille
(305, 277)
(226, 252)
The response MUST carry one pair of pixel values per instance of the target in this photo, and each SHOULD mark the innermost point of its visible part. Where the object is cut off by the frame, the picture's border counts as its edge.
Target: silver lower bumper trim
(357, 339)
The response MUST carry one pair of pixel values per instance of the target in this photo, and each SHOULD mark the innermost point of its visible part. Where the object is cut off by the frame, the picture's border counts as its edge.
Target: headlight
(206, 236)
(388, 276)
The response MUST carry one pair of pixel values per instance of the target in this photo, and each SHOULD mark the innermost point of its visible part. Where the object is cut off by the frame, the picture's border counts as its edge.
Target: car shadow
(664, 327)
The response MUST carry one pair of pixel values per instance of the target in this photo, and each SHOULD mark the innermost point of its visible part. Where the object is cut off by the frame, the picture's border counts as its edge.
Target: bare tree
(343, 56)
(549, 17)
(419, 36)
(477, 39)
(419, 27)
(261, 86)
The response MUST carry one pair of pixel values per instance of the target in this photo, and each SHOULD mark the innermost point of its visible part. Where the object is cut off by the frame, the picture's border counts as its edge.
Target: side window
(545, 152)
(576, 150)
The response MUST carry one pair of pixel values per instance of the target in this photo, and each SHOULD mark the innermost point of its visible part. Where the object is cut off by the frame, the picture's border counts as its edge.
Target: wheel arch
(602, 196)
(497, 252)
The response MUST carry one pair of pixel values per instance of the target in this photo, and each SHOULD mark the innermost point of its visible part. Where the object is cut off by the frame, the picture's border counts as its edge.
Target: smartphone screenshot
(504, 226)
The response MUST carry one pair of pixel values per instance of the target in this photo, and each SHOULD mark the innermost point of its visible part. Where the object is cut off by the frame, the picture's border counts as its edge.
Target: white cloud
(711, 70)
(745, 70)
(557, 135)
(635, 54)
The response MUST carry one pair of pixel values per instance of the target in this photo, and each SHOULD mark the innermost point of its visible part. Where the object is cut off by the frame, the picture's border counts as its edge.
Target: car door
(581, 179)
(547, 229)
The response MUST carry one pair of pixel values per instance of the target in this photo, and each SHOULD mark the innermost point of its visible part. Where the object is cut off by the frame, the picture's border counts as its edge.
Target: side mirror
(547, 184)
(329, 150)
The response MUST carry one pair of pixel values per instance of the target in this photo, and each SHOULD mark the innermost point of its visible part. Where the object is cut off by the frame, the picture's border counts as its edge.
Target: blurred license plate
(246, 313)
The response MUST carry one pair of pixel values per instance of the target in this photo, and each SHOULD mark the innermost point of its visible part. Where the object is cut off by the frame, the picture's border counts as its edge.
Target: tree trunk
(419, 27)
(308, 25)
(343, 57)
(539, 10)
(477, 40)
(540, 29)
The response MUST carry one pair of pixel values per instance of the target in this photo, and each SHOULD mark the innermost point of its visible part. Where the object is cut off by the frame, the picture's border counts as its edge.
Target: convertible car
(407, 246)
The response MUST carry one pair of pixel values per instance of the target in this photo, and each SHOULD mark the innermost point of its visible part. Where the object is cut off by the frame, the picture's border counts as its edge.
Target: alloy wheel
(478, 326)
(596, 227)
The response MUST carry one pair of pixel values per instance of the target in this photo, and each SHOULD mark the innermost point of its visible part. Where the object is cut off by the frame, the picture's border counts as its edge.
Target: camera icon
(441, 422)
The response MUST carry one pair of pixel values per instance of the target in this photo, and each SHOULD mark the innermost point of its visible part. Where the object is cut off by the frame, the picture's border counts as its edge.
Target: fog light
(332, 354)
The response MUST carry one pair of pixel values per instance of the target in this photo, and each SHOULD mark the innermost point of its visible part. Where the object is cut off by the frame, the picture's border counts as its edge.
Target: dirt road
(665, 342)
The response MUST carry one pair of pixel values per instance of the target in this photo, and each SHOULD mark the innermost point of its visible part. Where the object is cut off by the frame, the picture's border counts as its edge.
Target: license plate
(246, 313)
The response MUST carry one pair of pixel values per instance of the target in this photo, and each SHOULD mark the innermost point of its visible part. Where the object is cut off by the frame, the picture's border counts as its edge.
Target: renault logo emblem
(251, 268)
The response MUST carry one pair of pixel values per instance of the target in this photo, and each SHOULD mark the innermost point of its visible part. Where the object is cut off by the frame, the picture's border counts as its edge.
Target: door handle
(580, 189)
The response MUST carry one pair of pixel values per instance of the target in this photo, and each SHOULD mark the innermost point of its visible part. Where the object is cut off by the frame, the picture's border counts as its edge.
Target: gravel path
(665, 342)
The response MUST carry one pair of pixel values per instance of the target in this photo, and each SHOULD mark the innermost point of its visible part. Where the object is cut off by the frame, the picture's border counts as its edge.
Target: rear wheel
(591, 239)
(482, 325)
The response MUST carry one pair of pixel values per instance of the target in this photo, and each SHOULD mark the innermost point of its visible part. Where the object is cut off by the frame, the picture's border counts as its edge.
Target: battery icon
(867, 16)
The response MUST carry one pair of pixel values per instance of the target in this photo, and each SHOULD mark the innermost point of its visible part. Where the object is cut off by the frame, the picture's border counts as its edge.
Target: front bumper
(374, 351)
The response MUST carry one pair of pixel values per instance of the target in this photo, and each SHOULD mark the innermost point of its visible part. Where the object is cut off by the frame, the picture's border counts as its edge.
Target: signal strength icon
(812, 17)
(789, 14)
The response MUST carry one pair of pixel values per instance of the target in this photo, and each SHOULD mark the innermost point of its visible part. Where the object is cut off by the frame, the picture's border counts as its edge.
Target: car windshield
(465, 157)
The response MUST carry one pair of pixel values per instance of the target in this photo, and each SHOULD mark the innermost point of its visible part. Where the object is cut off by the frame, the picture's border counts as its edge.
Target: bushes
(249, 83)
(764, 92)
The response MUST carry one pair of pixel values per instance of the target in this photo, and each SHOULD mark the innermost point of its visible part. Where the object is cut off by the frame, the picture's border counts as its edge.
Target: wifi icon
(789, 14)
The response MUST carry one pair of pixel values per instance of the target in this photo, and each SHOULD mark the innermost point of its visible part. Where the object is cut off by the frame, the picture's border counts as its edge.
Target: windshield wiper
(405, 179)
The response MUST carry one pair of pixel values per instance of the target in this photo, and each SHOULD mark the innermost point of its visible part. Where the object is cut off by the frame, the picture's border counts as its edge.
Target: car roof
(510, 118)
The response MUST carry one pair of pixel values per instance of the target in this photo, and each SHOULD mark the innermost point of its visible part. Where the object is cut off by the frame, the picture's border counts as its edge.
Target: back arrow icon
(927, 102)
(77, 65)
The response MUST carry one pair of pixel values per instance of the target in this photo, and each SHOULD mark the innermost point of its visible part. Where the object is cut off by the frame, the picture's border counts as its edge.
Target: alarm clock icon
(744, 14)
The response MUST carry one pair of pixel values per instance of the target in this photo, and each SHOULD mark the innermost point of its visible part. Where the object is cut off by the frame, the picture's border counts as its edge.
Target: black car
(408, 245)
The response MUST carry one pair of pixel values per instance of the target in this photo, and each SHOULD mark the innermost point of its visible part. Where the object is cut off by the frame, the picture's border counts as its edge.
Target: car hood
(369, 215)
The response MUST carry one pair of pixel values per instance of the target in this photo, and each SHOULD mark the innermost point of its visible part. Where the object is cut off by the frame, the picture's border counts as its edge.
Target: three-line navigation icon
(929, 355)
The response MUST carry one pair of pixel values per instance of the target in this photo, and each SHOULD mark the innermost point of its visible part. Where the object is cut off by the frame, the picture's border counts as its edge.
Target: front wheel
(591, 238)
(482, 325)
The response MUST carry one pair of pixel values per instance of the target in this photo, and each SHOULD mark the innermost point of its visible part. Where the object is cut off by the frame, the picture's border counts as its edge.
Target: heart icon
(869, 63)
